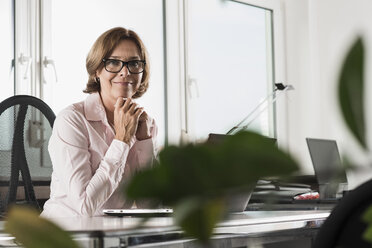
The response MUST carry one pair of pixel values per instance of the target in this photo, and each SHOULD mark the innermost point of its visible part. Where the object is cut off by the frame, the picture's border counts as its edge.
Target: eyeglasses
(116, 65)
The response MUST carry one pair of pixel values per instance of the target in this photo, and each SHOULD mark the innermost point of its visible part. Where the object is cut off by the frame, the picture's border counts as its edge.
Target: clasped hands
(130, 120)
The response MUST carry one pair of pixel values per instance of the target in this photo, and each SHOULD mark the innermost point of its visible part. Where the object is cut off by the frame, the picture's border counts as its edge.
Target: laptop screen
(326, 161)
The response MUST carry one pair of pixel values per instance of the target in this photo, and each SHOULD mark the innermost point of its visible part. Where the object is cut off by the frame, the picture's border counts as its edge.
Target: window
(64, 50)
(228, 66)
(7, 48)
(53, 38)
(219, 61)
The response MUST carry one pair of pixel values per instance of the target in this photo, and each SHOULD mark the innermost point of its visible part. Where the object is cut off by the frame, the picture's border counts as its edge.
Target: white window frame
(176, 54)
(281, 105)
(27, 47)
(175, 51)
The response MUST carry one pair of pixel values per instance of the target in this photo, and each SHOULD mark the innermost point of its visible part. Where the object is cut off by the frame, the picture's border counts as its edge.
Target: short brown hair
(103, 48)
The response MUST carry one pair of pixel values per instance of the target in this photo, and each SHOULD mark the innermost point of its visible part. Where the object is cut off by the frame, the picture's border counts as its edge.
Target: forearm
(85, 187)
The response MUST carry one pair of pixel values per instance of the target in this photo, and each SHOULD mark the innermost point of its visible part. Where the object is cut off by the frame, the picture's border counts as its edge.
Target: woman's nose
(124, 71)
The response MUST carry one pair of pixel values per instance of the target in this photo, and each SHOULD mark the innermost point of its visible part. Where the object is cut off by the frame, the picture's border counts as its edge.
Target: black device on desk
(277, 191)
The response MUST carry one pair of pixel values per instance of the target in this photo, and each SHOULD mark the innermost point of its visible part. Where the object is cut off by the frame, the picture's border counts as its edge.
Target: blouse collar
(94, 109)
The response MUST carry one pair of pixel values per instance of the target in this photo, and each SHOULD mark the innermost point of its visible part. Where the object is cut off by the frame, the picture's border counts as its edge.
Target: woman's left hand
(143, 129)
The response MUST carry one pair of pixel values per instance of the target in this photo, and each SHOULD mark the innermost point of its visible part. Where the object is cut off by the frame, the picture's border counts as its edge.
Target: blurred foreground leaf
(367, 218)
(32, 231)
(197, 179)
(197, 217)
(351, 86)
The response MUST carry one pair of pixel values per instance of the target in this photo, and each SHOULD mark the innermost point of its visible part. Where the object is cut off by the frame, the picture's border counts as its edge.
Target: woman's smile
(123, 83)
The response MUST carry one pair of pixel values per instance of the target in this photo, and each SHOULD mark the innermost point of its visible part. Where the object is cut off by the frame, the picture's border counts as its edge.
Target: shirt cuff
(145, 151)
(117, 152)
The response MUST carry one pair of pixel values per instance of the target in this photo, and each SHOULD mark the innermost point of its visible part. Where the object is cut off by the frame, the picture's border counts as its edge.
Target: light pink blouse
(89, 165)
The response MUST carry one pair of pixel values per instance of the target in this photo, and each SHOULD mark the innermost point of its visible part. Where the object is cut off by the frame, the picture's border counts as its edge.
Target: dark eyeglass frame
(124, 63)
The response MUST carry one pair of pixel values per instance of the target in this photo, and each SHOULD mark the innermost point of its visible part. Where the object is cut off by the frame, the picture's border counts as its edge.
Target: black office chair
(25, 127)
(344, 227)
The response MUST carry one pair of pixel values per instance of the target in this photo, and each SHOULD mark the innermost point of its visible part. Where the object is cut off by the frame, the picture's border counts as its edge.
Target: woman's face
(122, 83)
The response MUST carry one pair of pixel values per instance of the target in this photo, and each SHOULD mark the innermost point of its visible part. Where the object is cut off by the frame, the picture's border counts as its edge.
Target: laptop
(329, 172)
(136, 212)
(214, 138)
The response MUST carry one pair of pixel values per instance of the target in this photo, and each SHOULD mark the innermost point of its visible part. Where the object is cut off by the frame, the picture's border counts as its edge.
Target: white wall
(317, 36)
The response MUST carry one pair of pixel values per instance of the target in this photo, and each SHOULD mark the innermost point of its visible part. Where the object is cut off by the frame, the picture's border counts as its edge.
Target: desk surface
(243, 224)
(108, 224)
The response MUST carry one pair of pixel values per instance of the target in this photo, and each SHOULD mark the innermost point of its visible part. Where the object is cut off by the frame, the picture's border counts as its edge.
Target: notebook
(329, 172)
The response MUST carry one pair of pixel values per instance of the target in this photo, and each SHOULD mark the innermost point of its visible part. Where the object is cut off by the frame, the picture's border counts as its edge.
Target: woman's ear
(96, 76)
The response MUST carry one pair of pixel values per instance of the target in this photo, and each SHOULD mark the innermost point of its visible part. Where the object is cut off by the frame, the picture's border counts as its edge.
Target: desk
(265, 228)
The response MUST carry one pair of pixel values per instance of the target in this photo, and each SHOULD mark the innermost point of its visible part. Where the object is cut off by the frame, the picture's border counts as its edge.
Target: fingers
(132, 108)
(127, 104)
(143, 116)
(138, 113)
(119, 103)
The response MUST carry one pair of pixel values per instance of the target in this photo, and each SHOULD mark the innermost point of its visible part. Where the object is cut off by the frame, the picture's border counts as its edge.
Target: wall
(317, 36)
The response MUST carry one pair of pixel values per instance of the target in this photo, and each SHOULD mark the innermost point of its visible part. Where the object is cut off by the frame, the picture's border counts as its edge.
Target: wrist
(123, 139)
(144, 137)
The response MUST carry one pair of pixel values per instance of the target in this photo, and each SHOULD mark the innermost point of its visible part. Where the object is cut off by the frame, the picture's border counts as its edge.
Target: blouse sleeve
(146, 150)
(86, 190)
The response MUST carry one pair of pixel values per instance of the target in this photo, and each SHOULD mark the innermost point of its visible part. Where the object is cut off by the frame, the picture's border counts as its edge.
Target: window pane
(229, 65)
(6, 49)
(66, 42)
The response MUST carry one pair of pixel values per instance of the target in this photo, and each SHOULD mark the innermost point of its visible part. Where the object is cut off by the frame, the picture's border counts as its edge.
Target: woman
(98, 143)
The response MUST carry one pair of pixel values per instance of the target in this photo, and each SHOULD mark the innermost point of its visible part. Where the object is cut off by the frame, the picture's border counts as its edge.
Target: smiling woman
(99, 143)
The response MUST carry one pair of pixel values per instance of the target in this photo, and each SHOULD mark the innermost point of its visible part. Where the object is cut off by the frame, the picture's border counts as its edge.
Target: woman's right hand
(126, 116)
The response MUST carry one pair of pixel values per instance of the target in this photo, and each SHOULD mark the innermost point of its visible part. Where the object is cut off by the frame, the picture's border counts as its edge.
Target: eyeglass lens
(134, 66)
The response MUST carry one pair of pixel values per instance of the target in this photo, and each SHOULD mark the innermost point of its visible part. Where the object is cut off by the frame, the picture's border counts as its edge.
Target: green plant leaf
(367, 218)
(188, 178)
(33, 231)
(351, 86)
(249, 156)
(210, 170)
(367, 234)
(367, 215)
(197, 217)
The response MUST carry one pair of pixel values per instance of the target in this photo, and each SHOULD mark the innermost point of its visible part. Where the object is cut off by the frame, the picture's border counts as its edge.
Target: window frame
(278, 33)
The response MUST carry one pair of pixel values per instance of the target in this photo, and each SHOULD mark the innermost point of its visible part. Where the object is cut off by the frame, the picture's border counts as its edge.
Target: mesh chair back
(25, 127)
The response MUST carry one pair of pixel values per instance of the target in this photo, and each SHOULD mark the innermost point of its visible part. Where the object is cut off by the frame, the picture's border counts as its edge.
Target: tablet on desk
(135, 212)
